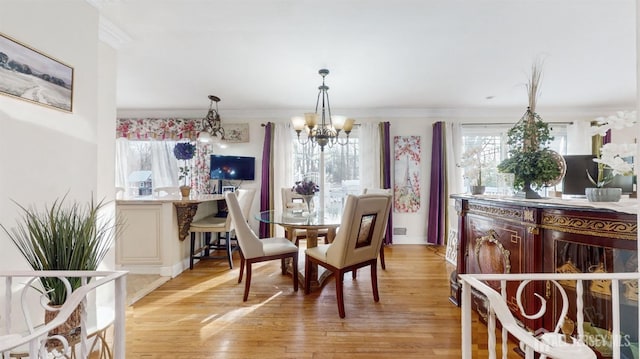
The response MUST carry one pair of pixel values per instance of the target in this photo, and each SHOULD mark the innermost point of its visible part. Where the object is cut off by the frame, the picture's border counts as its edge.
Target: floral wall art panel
(406, 188)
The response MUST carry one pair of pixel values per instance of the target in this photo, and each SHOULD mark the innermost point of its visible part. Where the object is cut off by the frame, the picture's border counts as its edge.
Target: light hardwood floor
(200, 314)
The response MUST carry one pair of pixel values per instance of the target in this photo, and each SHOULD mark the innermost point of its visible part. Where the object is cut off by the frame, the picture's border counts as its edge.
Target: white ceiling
(383, 55)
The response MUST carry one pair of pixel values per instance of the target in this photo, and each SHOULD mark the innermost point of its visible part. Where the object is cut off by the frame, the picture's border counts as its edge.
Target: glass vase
(308, 199)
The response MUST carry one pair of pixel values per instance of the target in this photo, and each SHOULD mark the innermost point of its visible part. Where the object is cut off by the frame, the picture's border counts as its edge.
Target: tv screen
(576, 180)
(232, 167)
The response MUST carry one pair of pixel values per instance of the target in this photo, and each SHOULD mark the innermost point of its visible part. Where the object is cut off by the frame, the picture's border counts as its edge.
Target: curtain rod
(471, 124)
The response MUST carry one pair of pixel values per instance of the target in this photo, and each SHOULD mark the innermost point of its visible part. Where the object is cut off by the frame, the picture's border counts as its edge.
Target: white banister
(466, 320)
(34, 339)
(548, 344)
(505, 334)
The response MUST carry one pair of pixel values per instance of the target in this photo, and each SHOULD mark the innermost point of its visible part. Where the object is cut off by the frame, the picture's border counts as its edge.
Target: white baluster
(505, 333)
(466, 320)
(491, 329)
(615, 316)
(580, 309)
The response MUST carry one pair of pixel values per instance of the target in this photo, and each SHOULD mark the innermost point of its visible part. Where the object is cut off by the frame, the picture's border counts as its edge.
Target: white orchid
(619, 121)
(617, 158)
(472, 164)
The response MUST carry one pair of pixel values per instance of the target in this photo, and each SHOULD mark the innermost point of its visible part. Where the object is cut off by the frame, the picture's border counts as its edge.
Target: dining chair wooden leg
(295, 272)
(283, 266)
(374, 280)
(191, 249)
(382, 264)
(242, 264)
(247, 282)
(229, 252)
(339, 292)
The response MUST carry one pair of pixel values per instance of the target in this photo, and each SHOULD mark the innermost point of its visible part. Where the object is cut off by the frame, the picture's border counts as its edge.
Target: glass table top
(300, 218)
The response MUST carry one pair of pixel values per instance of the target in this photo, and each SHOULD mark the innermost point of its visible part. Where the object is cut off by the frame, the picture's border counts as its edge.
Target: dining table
(312, 223)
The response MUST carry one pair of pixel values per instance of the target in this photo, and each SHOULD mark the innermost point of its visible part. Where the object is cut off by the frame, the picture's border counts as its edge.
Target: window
(144, 165)
(342, 169)
(493, 140)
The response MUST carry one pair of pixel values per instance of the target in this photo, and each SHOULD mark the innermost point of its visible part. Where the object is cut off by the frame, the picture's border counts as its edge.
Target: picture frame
(31, 75)
(236, 132)
(228, 189)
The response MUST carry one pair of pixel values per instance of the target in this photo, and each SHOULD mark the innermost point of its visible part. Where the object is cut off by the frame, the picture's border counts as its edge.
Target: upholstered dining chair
(254, 249)
(356, 245)
(292, 201)
(382, 191)
(222, 227)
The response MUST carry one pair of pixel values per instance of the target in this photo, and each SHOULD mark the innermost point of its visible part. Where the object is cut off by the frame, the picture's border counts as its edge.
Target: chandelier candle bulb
(338, 122)
(311, 119)
(348, 125)
(298, 123)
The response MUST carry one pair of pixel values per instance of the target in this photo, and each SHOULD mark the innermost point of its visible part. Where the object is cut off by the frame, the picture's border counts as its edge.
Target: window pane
(342, 170)
(493, 141)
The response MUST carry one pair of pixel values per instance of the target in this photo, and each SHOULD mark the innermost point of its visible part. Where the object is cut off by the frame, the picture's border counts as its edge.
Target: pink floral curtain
(158, 128)
(171, 129)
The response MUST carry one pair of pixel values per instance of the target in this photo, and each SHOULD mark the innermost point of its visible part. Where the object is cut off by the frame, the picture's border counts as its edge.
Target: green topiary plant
(63, 237)
(530, 160)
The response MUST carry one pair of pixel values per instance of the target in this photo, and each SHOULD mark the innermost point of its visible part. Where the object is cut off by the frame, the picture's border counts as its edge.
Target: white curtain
(283, 137)
(370, 155)
(122, 164)
(455, 183)
(453, 151)
(164, 166)
(579, 138)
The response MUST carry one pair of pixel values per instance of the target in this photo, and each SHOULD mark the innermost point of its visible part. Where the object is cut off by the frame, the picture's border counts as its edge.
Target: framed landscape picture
(30, 75)
(236, 132)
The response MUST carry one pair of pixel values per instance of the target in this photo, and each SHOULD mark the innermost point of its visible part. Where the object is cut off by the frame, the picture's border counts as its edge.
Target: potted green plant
(63, 237)
(184, 151)
(530, 160)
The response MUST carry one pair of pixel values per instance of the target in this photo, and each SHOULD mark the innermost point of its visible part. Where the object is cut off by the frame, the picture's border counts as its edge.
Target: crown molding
(111, 34)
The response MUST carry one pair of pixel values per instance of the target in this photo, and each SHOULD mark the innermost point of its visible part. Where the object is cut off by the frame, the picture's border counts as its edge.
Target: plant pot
(476, 189)
(185, 191)
(603, 194)
(527, 192)
(69, 329)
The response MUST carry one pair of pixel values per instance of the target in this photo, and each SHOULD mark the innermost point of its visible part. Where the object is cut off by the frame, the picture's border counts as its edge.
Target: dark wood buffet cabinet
(509, 235)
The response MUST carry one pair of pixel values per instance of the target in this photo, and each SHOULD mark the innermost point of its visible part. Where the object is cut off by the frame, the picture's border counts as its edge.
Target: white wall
(45, 153)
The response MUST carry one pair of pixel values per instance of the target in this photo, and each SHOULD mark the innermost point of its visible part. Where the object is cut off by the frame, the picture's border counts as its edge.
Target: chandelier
(211, 124)
(327, 132)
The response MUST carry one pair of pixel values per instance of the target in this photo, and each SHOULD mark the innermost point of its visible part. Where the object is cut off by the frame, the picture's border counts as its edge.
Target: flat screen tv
(576, 180)
(232, 167)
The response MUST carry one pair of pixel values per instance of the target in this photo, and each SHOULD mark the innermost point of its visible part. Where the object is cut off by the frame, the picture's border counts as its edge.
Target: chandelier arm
(318, 99)
(329, 109)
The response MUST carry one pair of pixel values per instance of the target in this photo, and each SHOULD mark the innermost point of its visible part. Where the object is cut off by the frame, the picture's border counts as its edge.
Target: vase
(185, 191)
(527, 192)
(603, 194)
(68, 329)
(476, 189)
(308, 199)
